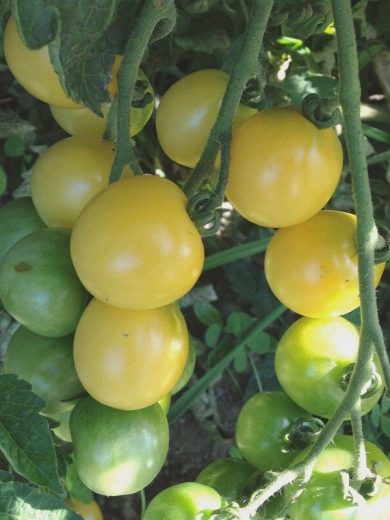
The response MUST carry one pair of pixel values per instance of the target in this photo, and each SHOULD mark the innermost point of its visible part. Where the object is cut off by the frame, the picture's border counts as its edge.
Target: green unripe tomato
(18, 218)
(39, 286)
(47, 364)
(185, 501)
(118, 452)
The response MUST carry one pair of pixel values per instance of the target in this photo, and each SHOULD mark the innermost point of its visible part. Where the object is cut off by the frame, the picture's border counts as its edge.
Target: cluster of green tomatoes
(93, 274)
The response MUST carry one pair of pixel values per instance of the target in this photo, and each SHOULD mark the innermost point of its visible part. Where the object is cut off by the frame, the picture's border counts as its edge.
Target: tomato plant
(89, 511)
(38, 284)
(283, 169)
(185, 501)
(324, 497)
(262, 414)
(47, 364)
(84, 122)
(68, 175)
(312, 267)
(18, 218)
(138, 355)
(187, 112)
(33, 69)
(118, 452)
(315, 357)
(154, 256)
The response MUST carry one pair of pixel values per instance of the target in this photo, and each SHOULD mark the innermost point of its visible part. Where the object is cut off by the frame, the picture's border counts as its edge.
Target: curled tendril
(322, 113)
(302, 433)
(302, 17)
(166, 24)
(202, 211)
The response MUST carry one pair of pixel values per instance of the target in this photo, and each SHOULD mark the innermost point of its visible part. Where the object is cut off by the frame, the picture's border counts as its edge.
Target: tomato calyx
(369, 487)
(302, 433)
(141, 95)
(322, 112)
(370, 388)
(201, 208)
(382, 248)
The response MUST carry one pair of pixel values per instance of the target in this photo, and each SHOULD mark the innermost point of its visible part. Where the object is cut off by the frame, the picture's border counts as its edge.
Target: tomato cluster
(93, 273)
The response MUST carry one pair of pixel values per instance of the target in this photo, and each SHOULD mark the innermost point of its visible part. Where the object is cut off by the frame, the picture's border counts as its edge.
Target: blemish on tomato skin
(23, 267)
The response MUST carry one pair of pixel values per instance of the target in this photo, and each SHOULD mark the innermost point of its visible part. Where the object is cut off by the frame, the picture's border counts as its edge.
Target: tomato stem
(360, 470)
(245, 66)
(151, 15)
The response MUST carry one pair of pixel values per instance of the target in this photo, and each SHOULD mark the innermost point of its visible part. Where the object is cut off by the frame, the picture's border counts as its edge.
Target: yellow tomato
(134, 245)
(68, 175)
(33, 69)
(313, 267)
(187, 112)
(130, 359)
(283, 169)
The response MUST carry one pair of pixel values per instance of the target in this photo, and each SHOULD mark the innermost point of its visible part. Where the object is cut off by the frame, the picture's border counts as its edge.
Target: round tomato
(18, 218)
(165, 403)
(84, 122)
(311, 359)
(138, 355)
(283, 169)
(228, 476)
(39, 286)
(134, 245)
(68, 175)
(33, 69)
(261, 429)
(90, 511)
(47, 364)
(188, 370)
(185, 501)
(118, 452)
(313, 267)
(322, 497)
(188, 111)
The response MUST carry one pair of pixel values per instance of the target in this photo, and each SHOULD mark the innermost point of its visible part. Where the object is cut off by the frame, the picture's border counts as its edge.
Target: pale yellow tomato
(130, 359)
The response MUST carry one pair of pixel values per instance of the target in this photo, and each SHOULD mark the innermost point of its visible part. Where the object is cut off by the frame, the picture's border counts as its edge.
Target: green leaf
(385, 425)
(25, 437)
(238, 323)
(5, 476)
(21, 502)
(385, 404)
(38, 20)
(375, 415)
(212, 335)
(241, 361)
(12, 124)
(76, 488)
(206, 313)
(14, 146)
(3, 180)
(260, 342)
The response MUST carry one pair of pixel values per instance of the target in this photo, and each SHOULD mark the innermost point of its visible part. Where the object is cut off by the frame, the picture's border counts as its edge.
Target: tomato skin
(188, 370)
(68, 175)
(111, 446)
(134, 245)
(165, 403)
(84, 122)
(138, 355)
(310, 360)
(227, 476)
(90, 511)
(322, 497)
(187, 112)
(39, 286)
(33, 69)
(184, 501)
(283, 169)
(47, 364)
(263, 413)
(18, 218)
(312, 267)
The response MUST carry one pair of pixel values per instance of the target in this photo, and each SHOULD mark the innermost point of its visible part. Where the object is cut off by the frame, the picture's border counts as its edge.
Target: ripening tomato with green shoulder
(314, 361)
(118, 452)
(33, 69)
(184, 501)
(88, 511)
(138, 355)
(83, 122)
(323, 497)
(134, 245)
(18, 218)
(39, 286)
(188, 110)
(313, 267)
(68, 175)
(261, 429)
(47, 364)
(283, 169)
